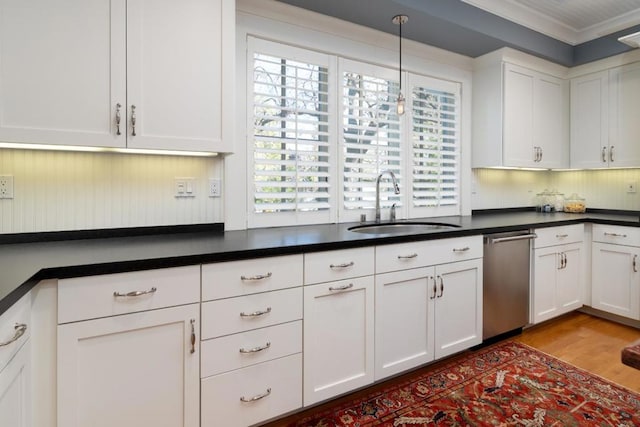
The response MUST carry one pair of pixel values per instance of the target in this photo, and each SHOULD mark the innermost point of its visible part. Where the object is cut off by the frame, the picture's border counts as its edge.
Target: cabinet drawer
(91, 297)
(558, 235)
(421, 254)
(249, 348)
(15, 329)
(328, 266)
(235, 278)
(250, 395)
(228, 316)
(629, 236)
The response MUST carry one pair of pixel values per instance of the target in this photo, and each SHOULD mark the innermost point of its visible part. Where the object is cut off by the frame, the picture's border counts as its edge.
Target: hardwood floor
(585, 341)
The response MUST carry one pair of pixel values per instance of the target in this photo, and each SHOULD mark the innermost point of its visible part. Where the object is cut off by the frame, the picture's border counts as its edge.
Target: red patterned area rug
(507, 384)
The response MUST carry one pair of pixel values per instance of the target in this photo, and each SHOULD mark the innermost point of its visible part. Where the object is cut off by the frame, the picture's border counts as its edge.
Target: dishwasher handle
(513, 238)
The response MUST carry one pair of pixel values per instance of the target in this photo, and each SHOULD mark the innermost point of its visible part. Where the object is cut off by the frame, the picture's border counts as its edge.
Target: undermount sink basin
(401, 227)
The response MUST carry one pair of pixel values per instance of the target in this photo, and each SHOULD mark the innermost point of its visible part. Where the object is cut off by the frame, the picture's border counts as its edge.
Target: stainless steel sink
(401, 227)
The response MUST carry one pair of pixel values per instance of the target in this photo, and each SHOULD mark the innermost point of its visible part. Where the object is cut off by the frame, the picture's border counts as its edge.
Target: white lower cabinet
(615, 270)
(338, 337)
(426, 313)
(15, 365)
(615, 279)
(139, 367)
(134, 370)
(250, 395)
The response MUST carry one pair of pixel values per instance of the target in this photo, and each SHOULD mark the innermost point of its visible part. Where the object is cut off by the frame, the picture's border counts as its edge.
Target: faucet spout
(396, 189)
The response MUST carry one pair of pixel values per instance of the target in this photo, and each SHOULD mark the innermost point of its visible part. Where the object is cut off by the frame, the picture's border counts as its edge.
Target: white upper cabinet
(590, 121)
(119, 73)
(520, 116)
(605, 131)
(624, 130)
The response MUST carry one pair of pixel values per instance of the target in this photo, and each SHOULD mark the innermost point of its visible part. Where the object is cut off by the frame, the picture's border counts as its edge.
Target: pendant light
(400, 20)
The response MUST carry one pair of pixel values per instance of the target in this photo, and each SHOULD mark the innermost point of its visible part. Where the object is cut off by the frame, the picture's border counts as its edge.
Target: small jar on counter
(575, 204)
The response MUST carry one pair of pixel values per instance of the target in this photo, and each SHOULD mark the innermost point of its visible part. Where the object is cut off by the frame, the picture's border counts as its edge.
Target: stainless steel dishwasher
(506, 273)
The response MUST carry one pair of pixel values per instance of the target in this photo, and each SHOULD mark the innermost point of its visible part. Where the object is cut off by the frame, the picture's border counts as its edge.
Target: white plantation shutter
(435, 142)
(290, 102)
(370, 135)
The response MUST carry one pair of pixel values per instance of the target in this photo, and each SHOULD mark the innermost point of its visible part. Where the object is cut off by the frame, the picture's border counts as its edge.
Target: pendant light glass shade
(400, 20)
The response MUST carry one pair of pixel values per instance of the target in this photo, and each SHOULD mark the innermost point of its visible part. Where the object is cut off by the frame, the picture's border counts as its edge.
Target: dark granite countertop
(24, 264)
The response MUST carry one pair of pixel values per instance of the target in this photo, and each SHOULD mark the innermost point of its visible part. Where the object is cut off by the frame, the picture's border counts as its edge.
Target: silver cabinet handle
(563, 261)
(541, 153)
(20, 329)
(611, 154)
(561, 236)
(465, 249)
(133, 120)
(118, 118)
(414, 255)
(614, 234)
(134, 293)
(256, 397)
(535, 154)
(341, 288)
(343, 265)
(256, 313)
(193, 336)
(255, 349)
(635, 263)
(441, 287)
(435, 288)
(604, 154)
(564, 257)
(256, 277)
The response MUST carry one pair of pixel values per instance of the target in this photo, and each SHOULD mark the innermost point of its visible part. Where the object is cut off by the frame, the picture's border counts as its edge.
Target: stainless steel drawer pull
(635, 263)
(561, 236)
(345, 265)
(614, 234)
(408, 256)
(134, 293)
(257, 397)
(513, 238)
(20, 329)
(435, 288)
(133, 120)
(341, 288)
(255, 349)
(465, 249)
(611, 154)
(604, 154)
(255, 278)
(193, 336)
(118, 118)
(441, 287)
(256, 313)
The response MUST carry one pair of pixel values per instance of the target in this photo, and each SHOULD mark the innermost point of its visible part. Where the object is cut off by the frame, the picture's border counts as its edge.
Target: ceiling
(568, 32)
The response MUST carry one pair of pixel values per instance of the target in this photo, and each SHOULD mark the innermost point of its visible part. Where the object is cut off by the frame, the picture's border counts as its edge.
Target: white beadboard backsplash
(602, 189)
(60, 191)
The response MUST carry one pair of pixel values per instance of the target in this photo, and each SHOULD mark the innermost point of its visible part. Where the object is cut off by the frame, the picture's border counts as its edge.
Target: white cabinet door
(569, 279)
(404, 302)
(615, 286)
(558, 278)
(63, 71)
(15, 390)
(624, 150)
(545, 299)
(175, 73)
(550, 117)
(590, 121)
(130, 370)
(518, 116)
(458, 307)
(338, 337)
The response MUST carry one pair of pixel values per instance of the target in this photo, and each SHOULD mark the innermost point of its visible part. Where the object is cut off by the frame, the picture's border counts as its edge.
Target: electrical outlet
(631, 187)
(215, 187)
(6, 187)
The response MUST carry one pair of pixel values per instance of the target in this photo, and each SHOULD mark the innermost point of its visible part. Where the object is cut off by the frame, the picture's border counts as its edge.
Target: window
(291, 128)
(322, 128)
(435, 141)
(371, 137)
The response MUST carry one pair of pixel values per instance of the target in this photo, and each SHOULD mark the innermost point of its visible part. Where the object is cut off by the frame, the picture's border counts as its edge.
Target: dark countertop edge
(103, 233)
(179, 261)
